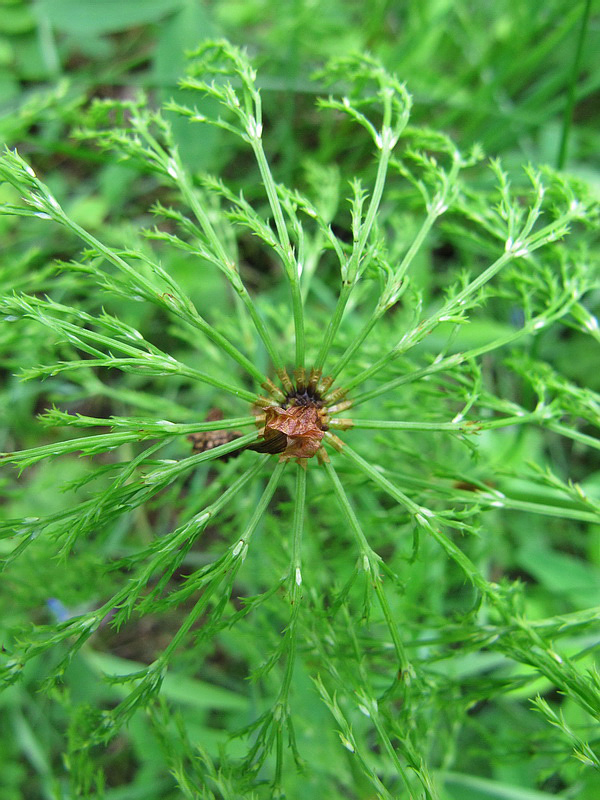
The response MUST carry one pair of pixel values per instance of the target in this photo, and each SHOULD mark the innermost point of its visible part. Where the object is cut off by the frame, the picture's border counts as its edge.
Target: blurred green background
(501, 74)
(496, 73)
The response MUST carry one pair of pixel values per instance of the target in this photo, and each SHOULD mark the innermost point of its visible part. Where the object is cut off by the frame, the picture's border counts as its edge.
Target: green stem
(228, 267)
(278, 774)
(356, 342)
(298, 310)
(486, 497)
(289, 262)
(334, 324)
(298, 526)
(147, 427)
(373, 207)
(150, 361)
(571, 433)
(310, 263)
(422, 517)
(568, 113)
(166, 474)
(468, 426)
(281, 712)
(380, 309)
(370, 563)
(449, 362)
(161, 368)
(233, 558)
(425, 327)
(198, 320)
(382, 730)
(349, 740)
(203, 377)
(168, 552)
(295, 579)
(353, 267)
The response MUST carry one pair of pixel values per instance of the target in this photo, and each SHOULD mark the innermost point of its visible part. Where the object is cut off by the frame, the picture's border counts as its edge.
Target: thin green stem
(295, 579)
(452, 361)
(352, 269)
(422, 517)
(465, 426)
(233, 559)
(382, 728)
(378, 312)
(273, 197)
(310, 262)
(87, 444)
(348, 739)
(437, 366)
(571, 433)
(486, 497)
(146, 366)
(412, 337)
(151, 360)
(193, 318)
(382, 307)
(145, 426)
(168, 552)
(298, 310)
(298, 527)
(166, 474)
(369, 705)
(370, 563)
(332, 328)
(570, 105)
(227, 265)
(365, 232)
(278, 791)
(289, 261)
(370, 559)
(281, 712)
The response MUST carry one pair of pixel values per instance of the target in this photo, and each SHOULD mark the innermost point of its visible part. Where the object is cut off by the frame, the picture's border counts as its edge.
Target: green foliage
(378, 620)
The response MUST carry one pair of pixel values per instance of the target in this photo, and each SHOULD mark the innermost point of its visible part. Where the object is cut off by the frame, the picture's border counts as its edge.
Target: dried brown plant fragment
(207, 440)
(301, 425)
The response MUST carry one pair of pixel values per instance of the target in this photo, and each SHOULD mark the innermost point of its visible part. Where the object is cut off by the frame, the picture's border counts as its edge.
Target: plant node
(295, 428)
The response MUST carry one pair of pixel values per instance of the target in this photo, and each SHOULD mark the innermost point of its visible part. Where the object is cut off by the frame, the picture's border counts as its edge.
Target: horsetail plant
(284, 529)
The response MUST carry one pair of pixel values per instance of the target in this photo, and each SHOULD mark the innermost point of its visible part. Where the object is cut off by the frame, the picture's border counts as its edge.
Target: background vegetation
(497, 628)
